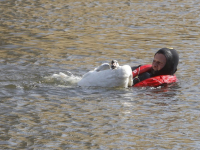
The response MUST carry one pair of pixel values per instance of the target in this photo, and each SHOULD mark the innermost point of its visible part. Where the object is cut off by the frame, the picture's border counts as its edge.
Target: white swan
(104, 76)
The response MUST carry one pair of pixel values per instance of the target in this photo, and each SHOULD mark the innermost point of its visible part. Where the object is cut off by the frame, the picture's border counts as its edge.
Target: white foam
(65, 78)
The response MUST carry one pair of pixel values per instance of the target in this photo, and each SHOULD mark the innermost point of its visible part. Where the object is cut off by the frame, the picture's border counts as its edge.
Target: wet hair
(172, 60)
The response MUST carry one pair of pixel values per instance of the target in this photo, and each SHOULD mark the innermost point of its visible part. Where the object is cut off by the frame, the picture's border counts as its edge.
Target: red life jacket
(153, 81)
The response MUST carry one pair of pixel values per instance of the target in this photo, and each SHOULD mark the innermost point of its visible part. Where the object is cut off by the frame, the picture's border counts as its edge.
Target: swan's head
(114, 64)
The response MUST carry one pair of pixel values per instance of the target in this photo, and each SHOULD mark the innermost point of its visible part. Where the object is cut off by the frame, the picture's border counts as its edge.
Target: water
(39, 39)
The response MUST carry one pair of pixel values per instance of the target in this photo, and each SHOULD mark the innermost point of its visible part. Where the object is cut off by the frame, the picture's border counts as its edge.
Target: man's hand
(114, 64)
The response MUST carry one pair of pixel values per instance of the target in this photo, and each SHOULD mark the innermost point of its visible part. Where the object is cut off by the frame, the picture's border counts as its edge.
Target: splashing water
(63, 78)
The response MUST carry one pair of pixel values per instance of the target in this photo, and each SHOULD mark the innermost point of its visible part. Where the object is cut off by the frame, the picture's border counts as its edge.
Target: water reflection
(42, 38)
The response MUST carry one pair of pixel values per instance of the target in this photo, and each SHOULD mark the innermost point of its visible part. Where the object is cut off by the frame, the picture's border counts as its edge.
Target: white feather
(118, 77)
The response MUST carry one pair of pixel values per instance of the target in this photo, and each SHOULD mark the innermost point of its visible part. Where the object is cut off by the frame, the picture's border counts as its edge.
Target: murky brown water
(40, 38)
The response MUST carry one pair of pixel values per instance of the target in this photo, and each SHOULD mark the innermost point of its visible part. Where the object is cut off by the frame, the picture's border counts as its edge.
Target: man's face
(159, 62)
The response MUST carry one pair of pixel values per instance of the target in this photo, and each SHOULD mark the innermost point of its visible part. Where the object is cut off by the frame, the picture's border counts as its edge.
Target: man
(165, 62)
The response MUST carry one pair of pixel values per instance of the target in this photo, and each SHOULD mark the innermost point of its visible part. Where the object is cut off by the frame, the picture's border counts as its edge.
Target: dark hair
(172, 60)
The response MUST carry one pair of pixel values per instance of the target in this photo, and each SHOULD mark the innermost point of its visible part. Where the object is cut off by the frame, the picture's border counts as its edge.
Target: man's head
(165, 62)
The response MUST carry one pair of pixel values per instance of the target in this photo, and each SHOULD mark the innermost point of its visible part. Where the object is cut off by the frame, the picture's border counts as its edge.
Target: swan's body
(103, 76)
